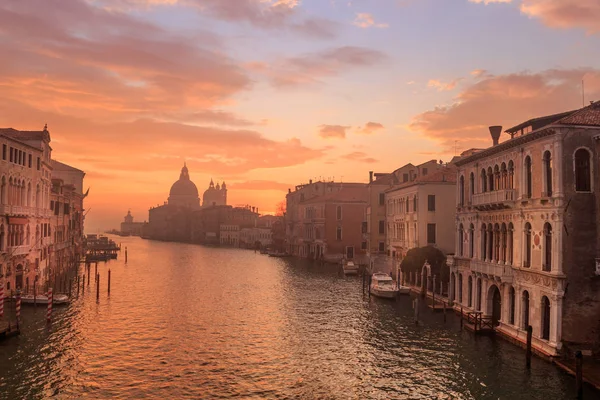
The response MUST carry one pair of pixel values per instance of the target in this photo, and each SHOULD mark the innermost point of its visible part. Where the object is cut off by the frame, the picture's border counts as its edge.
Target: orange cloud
(370, 128)
(477, 73)
(505, 100)
(565, 13)
(366, 20)
(359, 156)
(333, 131)
(442, 86)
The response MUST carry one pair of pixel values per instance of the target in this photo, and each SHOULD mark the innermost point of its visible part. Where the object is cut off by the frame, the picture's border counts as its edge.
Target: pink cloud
(565, 13)
(443, 86)
(333, 131)
(505, 100)
(370, 128)
(366, 20)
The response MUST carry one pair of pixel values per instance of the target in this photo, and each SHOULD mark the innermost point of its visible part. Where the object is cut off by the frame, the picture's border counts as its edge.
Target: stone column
(556, 319)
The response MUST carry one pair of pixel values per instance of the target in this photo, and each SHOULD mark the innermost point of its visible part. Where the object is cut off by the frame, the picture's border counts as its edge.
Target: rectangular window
(405, 178)
(381, 246)
(56, 208)
(30, 158)
(363, 245)
(339, 212)
(39, 164)
(365, 227)
(381, 199)
(431, 202)
(52, 204)
(4, 152)
(430, 233)
(338, 234)
(424, 171)
(11, 154)
(67, 209)
(381, 227)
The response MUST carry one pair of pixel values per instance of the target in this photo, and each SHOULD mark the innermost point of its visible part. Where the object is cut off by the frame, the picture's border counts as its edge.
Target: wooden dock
(475, 322)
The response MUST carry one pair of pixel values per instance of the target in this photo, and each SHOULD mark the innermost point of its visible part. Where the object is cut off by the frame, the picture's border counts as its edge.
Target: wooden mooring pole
(70, 287)
(579, 374)
(461, 317)
(444, 311)
(528, 352)
(125, 254)
(77, 285)
(83, 285)
(109, 282)
(416, 306)
(98, 288)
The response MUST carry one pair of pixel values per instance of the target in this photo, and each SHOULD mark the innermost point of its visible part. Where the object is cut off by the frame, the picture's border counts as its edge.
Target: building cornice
(518, 141)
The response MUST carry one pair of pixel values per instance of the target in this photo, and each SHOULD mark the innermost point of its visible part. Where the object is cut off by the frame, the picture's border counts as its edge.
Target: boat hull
(352, 271)
(403, 290)
(384, 294)
(42, 299)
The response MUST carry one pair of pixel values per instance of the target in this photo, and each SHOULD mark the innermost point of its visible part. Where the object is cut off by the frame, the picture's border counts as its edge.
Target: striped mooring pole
(1, 300)
(18, 308)
(49, 312)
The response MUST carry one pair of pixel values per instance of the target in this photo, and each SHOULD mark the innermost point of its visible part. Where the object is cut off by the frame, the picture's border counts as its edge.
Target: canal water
(186, 321)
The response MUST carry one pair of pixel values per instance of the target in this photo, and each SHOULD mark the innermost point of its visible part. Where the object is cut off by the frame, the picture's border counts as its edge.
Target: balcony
(19, 250)
(495, 200)
(7, 209)
(499, 271)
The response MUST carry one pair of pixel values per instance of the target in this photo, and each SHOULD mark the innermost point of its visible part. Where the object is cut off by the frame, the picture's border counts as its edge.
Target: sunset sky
(267, 94)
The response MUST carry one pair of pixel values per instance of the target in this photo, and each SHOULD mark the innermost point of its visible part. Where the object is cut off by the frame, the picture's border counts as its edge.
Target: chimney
(310, 182)
(370, 176)
(495, 131)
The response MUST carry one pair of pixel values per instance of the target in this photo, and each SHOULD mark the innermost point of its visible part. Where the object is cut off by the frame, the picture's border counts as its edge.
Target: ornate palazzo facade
(517, 222)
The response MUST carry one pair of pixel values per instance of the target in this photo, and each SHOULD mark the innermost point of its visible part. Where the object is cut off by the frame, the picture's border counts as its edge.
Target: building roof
(589, 116)
(586, 116)
(23, 136)
(443, 175)
(351, 194)
(58, 166)
(184, 186)
(539, 122)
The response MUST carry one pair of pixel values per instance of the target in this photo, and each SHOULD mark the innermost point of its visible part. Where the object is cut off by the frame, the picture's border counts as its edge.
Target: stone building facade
(527, 232)
(28, 223)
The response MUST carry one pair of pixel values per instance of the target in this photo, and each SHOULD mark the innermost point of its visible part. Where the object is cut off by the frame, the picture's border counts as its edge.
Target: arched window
(471, 185)
(504, 179)
(490, 175)
(510, 243)
(527, 244)
(582, 171)
(461, 240)
(415, 203)
(545, 318)
(547, 265)
(483, 181)
(497, 178)
(478, 294)
(407, 205)
(460, 288)
(504, 244)
(461, 191)
(496, 243)
(483, 242)
(511, 175)
(470, 291)
(547, 160)
(525, 309)
(511, 299)
(527, 177)
(471, 241)
(3, 191)
(490, 249)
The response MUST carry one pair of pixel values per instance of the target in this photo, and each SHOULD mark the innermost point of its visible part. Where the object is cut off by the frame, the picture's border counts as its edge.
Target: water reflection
(189, 321)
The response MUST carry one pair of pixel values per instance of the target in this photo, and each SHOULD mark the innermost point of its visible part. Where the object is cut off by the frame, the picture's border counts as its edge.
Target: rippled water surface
(186, 321)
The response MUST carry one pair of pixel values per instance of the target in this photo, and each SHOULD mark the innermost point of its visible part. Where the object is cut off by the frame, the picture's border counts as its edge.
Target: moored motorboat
(57, 299)
(403, 289)
(279, 254)
(349, 267)
(382, 285)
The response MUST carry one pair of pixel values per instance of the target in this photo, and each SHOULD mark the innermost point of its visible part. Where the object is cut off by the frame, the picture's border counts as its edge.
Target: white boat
(57, 299)
(350, 268)
(382, 285)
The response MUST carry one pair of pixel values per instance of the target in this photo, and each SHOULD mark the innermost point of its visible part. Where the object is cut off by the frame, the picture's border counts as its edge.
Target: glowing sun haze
(266, 94)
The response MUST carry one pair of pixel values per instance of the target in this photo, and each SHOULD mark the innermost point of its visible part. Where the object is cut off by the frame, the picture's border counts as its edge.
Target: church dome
(184, 186)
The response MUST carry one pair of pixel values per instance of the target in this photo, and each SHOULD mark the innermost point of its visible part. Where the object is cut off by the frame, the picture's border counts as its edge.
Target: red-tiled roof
(22, 135)
(589, 116)
(446, 174)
